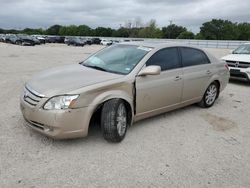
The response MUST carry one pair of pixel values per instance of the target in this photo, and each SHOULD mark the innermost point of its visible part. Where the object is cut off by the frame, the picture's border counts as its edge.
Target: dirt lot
(190, 147)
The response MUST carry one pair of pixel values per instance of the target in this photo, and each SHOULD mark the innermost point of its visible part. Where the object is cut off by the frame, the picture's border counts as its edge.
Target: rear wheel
(210, 96)
(114, 121)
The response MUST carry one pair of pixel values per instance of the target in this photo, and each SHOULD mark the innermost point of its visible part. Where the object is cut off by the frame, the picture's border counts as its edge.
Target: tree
(186, 35)
(122, 32)
(53, 30)
(84, 30)
(151, 31)
(244, 31)
(104, 32)
(172, 31)
(218, 29)
(30, 31)
(71, 30)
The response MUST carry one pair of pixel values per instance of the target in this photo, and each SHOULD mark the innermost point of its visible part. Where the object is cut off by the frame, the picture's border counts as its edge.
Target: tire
(210, 96)
(114, 120)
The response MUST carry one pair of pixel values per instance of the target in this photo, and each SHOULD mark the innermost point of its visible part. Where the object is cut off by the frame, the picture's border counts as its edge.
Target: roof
(158, 44)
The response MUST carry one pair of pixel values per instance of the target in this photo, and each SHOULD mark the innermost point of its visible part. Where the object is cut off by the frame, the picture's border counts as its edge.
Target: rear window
(192, 57)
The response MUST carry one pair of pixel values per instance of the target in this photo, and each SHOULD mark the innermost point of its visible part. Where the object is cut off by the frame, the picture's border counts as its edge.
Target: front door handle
(177, 78)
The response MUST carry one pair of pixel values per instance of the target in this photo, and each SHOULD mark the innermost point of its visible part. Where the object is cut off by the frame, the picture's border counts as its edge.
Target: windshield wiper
(95, 67)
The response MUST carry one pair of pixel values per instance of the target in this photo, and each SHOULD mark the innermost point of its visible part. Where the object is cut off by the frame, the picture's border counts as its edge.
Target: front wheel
(210, 96)
(114, 121)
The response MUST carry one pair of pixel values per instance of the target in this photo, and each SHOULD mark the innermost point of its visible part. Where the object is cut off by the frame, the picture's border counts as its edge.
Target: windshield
(243, 49)
(119, 58)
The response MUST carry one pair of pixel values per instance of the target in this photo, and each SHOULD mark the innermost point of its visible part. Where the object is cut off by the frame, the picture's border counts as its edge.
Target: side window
(191, 56)
(166, 58)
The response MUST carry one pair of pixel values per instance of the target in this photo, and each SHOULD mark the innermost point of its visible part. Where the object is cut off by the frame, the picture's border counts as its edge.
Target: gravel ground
(190, 147)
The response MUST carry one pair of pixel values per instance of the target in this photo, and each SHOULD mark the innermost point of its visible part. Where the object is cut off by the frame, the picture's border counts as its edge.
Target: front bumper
(57, 124)
(240, 73)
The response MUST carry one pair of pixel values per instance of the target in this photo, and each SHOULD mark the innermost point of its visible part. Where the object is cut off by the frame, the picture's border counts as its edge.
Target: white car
(106, 42)
(239, 62)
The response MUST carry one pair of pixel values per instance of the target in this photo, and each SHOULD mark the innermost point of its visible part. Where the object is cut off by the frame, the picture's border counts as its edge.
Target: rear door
(158, 91)
(197, 71)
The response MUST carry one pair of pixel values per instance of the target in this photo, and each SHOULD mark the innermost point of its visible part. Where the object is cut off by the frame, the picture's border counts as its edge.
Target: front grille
(31, 97)
(238, 64)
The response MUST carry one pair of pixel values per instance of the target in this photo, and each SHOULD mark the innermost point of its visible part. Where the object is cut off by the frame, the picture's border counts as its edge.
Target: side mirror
(150, 70)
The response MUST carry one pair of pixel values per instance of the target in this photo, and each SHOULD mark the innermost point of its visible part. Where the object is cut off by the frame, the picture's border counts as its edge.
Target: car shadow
(239, 82)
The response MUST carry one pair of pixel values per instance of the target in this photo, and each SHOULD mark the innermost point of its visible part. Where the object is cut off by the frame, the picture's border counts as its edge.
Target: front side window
(118, 58)
(166, 58)
(191, 57)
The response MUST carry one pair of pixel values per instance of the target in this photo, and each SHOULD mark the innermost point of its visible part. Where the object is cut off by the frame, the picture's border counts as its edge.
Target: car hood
(237, 57)
(62, 80)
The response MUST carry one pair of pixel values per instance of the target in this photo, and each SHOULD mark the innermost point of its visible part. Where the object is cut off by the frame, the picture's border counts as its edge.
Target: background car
(37, 42)
(239, 62)
(25, 40)
(75, 41)
(106, 42)
(2, 37)
(40, 38)
(54, 39)
(12, 39)
(95, 40)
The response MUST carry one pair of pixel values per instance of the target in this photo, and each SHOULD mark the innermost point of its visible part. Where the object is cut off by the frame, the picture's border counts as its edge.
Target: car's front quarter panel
(58, 124)
(92, 97)
(71, 123)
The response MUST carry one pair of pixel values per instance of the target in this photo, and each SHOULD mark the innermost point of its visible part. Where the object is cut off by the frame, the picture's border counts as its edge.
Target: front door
(157, 92)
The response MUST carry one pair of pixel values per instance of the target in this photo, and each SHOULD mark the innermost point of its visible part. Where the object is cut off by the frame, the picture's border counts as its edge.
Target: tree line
(216, 29)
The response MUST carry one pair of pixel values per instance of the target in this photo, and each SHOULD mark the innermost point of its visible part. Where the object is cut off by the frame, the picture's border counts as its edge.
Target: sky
(19, 14)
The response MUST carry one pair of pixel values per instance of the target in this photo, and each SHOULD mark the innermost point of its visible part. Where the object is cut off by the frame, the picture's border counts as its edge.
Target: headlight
(60, 102)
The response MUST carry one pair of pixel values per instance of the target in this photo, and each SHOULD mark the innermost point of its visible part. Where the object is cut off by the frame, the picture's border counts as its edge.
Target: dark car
(54, 39)
(25, 40)
(88, 41)
(2, 37)
(74, 41)
(96, 41)
(40, 38)
(36, 40)
(12, 39)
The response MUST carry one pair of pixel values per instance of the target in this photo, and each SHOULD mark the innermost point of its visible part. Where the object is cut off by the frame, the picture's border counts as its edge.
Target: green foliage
(216, 29)
(122, 32)
(186, 35)
(244, 31)
(172, 31)
(102, 31)
(198, 36)
(31, 31)
(53, 30)
(84, 30)
(151, 31)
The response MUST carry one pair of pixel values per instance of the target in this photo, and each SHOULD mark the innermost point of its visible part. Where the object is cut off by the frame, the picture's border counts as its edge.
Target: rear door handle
(177, 78)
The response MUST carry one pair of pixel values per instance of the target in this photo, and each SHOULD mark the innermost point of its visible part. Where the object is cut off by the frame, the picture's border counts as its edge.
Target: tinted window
(191, 56)
(165, 58)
